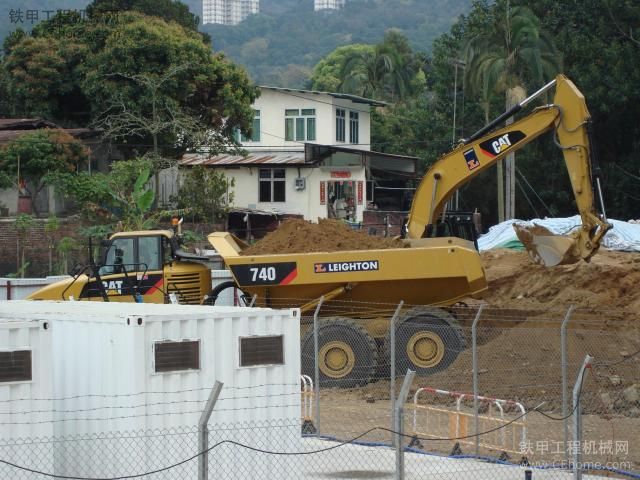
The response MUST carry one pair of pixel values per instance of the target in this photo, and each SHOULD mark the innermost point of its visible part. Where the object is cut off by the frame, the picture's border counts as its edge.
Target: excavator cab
(455, 224)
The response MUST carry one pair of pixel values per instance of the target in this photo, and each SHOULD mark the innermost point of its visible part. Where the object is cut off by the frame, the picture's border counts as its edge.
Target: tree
(205, 193)
(120, 198)
(326, 73)
(73, 72)
(513, 51)
(388, 71)
(168, 10)
(35, 158)
(39, 76)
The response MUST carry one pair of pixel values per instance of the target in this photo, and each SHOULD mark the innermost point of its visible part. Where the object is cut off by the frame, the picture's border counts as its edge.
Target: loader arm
(568, 118)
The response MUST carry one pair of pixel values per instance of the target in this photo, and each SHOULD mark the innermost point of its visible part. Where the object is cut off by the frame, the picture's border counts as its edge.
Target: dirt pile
(609, 281)
(300, 236)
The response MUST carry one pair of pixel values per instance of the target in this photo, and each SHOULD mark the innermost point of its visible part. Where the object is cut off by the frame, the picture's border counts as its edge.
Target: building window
(340, 125)
(354, 134)
(255, 130)
(15, 366)
(300, 125)
(263, 350)
(176, 356)
(272, 184)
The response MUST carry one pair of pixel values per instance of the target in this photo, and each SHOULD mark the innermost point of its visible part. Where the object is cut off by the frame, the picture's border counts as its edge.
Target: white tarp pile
(624, 236)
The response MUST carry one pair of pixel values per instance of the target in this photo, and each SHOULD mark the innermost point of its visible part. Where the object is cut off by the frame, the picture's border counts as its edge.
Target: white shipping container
(119, 371)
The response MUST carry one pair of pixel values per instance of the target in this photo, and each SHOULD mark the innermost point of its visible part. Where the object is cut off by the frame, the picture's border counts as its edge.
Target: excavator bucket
(547, 248)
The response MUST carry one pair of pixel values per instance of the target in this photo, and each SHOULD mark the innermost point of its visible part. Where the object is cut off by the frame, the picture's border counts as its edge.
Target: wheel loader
(435, 270)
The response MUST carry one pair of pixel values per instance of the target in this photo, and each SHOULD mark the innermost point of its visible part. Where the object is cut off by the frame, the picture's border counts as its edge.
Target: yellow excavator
(435, 270)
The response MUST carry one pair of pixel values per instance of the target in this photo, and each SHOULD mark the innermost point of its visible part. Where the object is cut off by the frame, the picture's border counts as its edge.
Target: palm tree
(501, 60)
(386, 72)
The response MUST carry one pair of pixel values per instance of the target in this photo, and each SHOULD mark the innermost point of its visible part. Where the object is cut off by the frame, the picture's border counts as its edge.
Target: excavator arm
(568, 118)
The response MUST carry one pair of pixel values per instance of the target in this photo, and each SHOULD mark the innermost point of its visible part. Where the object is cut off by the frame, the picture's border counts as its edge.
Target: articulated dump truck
(438, 267)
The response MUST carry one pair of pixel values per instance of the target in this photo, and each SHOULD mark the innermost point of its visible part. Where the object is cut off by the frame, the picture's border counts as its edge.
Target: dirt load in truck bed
(300, 236)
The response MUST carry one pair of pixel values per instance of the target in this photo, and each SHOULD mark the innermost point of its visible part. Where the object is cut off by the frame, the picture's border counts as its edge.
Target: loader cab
(147, 267)
(136, 253)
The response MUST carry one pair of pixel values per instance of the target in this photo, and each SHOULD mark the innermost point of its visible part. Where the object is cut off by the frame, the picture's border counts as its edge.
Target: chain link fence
(493, 396)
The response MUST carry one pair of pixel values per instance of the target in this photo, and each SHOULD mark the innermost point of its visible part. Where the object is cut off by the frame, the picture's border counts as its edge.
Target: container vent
(176, 356)
(263, 350)
(15, 366)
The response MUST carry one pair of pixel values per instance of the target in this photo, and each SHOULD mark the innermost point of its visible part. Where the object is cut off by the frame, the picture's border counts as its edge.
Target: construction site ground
(519, 354)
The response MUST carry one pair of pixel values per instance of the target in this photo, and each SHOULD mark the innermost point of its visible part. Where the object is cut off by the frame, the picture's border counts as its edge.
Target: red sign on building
(340, 174)
(323, 193)
(360, 188)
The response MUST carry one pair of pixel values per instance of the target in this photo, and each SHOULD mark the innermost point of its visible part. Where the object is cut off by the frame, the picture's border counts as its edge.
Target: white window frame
(354, 127)
(298, 123)
(272, 180)
(341, 125)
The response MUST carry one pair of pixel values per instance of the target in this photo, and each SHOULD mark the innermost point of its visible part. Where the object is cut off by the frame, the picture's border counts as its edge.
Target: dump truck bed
(429, 271)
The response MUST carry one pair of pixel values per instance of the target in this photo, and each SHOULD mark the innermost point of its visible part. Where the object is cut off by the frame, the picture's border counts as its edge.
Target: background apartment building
(228, 12)
(328, 4)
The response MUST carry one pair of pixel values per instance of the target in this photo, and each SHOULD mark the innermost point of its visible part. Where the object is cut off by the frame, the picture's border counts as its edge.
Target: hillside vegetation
(281, 45)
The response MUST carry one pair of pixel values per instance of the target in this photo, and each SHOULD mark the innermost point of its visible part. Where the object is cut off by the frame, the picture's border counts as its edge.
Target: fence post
(564, 366)
(392, 361)
(203, 431)
(577, 418)
(399, 414)
(316, 350)
(474, 368)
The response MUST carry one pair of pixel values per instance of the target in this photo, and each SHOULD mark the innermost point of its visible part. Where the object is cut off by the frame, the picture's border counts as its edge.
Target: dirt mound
(300, 236)
(608, 282)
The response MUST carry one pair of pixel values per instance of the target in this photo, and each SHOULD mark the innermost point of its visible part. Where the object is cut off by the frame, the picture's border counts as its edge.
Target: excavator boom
(568, 118)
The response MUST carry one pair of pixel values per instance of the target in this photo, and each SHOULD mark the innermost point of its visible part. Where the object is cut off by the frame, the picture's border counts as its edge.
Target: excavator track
(347, 354)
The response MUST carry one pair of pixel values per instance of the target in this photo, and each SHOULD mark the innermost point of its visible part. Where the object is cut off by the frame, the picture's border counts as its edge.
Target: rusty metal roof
(25, 124)
(78, 133)
(254, 158)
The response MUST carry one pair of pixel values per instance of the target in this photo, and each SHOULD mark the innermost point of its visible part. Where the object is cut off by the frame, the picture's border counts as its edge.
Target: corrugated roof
(79, 133)
(346, 96)
(256, 158)
(25, 124)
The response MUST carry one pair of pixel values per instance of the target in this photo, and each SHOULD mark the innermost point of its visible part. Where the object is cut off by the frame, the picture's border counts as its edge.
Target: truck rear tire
(427, 341)
(347, 354)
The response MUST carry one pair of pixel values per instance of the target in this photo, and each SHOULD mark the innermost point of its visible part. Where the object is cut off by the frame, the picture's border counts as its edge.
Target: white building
(228, 12)
(309, 155)
(328, 4)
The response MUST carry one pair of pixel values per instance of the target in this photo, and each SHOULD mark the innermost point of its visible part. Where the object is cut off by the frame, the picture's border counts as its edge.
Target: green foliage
(516, 51)
(327, 72)
(52, 225)
(287, 34)
(389, 70)
(205, 193)
(65, 248)
(38, 157)
(113, 69)
(168, 10)
(119, 197)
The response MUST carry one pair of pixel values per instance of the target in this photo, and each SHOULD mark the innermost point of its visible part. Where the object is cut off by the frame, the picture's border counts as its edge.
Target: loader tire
(347, 355)
(212, 297)
(427, 341)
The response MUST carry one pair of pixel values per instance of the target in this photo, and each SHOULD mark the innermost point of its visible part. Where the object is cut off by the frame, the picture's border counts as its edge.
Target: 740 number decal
(265, 273)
